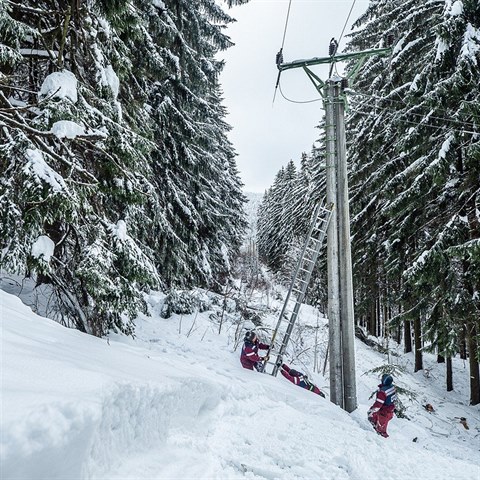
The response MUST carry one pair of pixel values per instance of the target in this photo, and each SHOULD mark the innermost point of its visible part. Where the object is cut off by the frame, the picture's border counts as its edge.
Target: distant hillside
(254, 201)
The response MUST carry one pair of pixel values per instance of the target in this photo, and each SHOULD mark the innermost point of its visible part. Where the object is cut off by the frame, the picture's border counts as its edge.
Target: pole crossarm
(335, 58)
(315, 79)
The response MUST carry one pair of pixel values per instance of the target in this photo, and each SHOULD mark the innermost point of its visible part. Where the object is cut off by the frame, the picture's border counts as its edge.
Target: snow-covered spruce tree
(448, 174)
(285, 216)
(289, 241)
(263, 233)
(74, 177)
(193, 162)
(312, 169)
(374, 127)
(275, 235)
(153, 157)
(416, 155)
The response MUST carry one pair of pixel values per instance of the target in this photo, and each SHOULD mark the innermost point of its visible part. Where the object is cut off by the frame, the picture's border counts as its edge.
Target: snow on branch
(38, 168)
(61, 84)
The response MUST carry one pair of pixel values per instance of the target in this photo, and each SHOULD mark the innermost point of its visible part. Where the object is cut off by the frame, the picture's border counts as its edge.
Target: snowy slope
(175, 404)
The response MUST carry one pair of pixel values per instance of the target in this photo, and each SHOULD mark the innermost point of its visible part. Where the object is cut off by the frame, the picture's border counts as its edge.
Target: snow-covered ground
(175, 404)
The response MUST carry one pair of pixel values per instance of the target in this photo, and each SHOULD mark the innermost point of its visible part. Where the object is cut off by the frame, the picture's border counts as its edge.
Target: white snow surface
(445, 147)
(120, 230)
(457, 8)
(110, 79)
(42, 172)
(43, 247)
(175, 404)
(67, 129)
(60, 85)
(441, 48)
(471, 43)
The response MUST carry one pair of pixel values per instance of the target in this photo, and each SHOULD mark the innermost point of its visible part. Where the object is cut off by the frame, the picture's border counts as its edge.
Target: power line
(346, 21)
(286, 23)
(414, 123)
(463, 122)
(296, 101)
(433, 117)
(403, 102)
(280, 53)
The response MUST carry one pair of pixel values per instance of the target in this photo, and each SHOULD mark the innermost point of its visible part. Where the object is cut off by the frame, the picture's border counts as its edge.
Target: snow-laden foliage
(414, 146)
(113, 145)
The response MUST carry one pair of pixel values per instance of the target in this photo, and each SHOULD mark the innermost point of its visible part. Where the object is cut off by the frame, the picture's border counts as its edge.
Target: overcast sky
(267, 137)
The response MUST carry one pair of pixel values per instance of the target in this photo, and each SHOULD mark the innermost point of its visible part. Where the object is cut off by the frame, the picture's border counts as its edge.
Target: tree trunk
(398, 334)
(372, 321)
(417, 333)
(408, 336)
(473, 322)
(463, 344)
(449, 374)
(378, 317)
(386, 318)
(473, 362)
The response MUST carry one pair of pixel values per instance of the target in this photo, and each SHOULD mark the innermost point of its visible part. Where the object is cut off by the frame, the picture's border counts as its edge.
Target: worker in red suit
(300, 379)
(249, 357)
(381, 412)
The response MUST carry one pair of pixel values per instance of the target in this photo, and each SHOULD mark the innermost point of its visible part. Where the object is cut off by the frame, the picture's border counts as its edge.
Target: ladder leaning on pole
(299, 283)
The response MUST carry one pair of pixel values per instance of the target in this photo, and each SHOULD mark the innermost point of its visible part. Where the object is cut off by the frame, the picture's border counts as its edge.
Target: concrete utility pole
(333, 273)
(339, 257)
(347, 320)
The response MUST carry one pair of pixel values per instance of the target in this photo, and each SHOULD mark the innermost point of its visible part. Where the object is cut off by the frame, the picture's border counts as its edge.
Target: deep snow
(175, 404)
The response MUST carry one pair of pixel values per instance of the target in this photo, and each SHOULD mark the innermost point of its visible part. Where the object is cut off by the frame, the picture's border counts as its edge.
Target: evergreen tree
(67, 168)
(114, 138)
(194, 169)
(414, 155)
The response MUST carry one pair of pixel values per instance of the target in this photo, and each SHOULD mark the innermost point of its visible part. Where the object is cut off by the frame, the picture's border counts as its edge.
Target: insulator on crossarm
(279, 58)
(344, 83)
(390, 39)
(332, 48)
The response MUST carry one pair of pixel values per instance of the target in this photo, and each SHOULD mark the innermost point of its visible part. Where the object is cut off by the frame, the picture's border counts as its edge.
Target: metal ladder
(299, 283)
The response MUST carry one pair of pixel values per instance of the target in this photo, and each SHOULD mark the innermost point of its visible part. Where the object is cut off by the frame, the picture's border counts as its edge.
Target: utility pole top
(342, 57)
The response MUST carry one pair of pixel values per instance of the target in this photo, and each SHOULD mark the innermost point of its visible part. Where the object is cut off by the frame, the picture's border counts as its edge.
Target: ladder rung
(308, 261)
(302, 286)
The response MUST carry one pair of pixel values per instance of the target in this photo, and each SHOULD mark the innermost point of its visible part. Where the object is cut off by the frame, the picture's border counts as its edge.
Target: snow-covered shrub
(181, 302)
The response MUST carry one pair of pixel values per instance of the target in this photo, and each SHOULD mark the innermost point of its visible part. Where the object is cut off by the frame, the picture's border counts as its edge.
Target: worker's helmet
(387, 379)
(251, 337)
